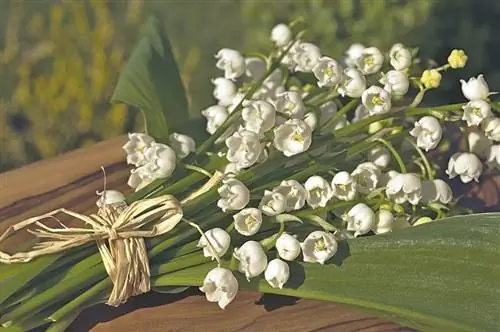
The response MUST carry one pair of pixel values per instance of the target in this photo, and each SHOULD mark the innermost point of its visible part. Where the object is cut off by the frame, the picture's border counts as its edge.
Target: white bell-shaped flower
(136, 145)
(318, 247)
(384, 221)
(494, 156)
(344, 186)
(281, 35)
(353, 84)
(110, 197)
(244, 148)
(396, 82)
(231, 62)
(142, 176)
(306, 56)
(475, 88)
(436, 191)
(234, 195)
(216, 115)
(428, 132)
(319, 191)
(360, 219)
(476, 111)
(183, 145)
(291, 104)
(259, 116)
(248, 221)
(367, 177)
(272, 203)
(353, 53)
(478, 143)
(288, 247)
(400, 57)
(255, 68)
(162, 159)
(215, 243)
(224, 91)
(491, 127)
(277, 273)
(295, 194)
(380, 156)
(328, 72)
(376, 100)
(403, 188)
(220, 286)
(370, 61)
(466, 165)
(252, 258)
(292, 137)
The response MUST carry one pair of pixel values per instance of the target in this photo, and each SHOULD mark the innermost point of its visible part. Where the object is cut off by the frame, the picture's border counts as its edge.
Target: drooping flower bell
(234, 195)
(247, 222)
(277, 273)
(319, 247)
(376, 100)
(215, 242)
(292, 137)
(288, 247)
(232, 62)
(475, 88)
(220, 286)
(252, 259)
(466, 165)
(360, 219)
(428, 132)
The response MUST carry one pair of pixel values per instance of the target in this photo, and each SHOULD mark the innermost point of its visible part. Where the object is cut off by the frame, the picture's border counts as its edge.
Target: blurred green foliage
(59, 60)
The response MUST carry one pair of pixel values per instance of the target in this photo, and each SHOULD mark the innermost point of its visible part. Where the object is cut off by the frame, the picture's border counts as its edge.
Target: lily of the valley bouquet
(319, 178)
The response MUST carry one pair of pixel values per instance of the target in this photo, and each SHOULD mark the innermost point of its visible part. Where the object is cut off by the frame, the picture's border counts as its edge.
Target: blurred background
(59, 60)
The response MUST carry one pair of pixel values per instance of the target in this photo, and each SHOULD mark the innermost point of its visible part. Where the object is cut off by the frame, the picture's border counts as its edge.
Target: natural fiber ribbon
(119, 231)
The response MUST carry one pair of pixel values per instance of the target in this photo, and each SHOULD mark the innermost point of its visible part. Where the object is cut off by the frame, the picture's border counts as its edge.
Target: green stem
(394, 153)
(342, 112)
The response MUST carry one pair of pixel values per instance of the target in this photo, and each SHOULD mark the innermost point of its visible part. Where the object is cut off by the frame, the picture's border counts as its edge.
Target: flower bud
(344, 186)
(216, 115)
(224, 91)
(215, 239)
(252, 258)
(328, 72)
(396, 82)
(234, 195)
(318, 247)
(281, 35)
(354, 83)
(277, 273)
(431, 78)
(475, 88)
(384, 222)
(457, 59)
(135, 147)
(232, 62)
(288, 247)
(272, 203)
(466, 165)
(404, 188)
(319, 191)
(376, 100)
(400, 57)
(292, 137)
(183, 145)
(220, 286)
(428, 132)
(248, 221)
(370, 61)
(360, 219)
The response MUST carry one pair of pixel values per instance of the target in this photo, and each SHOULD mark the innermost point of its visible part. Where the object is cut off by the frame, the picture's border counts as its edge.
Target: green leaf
(151, 82)
(439, 276)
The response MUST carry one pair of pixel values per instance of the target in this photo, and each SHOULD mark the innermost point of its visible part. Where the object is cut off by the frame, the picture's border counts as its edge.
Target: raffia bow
(119, 232)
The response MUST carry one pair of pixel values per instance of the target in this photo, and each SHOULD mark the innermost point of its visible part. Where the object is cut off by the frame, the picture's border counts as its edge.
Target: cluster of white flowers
(261, 117)
(154, 160)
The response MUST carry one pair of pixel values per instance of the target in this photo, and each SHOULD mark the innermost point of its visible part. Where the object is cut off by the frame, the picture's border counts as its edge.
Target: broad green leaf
(151, 82)
(441, 276)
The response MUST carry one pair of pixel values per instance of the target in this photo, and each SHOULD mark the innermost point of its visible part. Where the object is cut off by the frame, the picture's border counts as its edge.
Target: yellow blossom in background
(457, 59)
(431, 78)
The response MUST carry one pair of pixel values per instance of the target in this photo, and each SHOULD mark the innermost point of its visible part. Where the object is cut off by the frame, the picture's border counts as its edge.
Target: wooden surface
(71, 181)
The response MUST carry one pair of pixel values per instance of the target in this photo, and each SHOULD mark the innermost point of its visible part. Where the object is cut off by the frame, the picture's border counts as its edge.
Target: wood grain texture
(71, 181)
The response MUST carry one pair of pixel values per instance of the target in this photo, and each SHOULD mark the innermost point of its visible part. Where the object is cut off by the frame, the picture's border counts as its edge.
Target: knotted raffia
(119, 232)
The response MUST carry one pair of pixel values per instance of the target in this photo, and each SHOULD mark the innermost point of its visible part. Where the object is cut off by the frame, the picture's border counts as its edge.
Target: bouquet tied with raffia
(310, 176)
